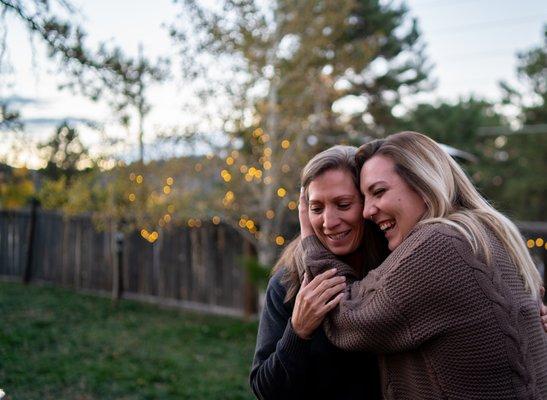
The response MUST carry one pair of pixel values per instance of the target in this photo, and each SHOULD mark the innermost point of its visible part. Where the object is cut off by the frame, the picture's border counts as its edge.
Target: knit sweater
(446, 325)
(286, 366)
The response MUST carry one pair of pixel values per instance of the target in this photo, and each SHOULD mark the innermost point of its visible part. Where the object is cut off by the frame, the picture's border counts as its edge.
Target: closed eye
(378, 192)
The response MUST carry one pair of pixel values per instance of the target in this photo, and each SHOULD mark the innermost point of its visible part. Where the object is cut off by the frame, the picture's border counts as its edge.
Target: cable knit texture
(447, 325)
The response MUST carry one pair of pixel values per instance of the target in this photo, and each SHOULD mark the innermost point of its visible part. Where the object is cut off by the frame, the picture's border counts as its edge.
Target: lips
(386, 225)
(338, 236)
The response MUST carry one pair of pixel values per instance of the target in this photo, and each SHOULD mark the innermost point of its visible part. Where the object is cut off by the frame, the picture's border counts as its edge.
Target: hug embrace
(432, 296)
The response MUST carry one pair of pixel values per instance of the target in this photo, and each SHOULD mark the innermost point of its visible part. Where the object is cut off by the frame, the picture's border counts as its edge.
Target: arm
(367, 319)
(281, 355)
(282, 351)
(411, 298)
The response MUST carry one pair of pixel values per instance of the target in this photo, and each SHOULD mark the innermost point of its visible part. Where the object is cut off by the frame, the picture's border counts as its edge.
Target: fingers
(542, 291)
(331, 292)
(305, 281)
(321, 277)
(302, 199)
(333, 303)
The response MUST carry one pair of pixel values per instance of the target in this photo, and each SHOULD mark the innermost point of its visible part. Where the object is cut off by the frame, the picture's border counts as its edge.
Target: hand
(305, 224)
(314, 300)
(543, 310)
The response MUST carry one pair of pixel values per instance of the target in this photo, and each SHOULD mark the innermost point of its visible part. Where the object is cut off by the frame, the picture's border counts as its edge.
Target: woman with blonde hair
(453, 311)
(293, 359)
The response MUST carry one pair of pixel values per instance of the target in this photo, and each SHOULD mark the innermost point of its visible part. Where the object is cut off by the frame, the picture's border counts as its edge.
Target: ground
(58, 344)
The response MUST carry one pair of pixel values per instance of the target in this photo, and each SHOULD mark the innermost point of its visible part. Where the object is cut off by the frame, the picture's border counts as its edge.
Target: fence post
(27, 273)
(249, 289)
(117, 271)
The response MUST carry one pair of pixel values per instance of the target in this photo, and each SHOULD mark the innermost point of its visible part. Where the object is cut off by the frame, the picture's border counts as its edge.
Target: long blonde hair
(452, 198)
(291, 259)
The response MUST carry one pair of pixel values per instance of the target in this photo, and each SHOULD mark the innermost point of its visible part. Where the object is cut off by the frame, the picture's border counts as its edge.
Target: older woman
(293, 358)
(453, 311)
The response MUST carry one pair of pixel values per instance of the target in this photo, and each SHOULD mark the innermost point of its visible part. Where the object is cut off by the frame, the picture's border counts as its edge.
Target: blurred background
(151, 151)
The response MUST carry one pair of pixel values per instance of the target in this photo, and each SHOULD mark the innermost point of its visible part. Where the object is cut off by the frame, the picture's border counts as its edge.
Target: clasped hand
(314, 300)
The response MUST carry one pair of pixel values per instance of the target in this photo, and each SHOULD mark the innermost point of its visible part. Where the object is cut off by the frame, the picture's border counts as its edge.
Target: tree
(16, 187)
(64, 153)
(511, 162)
(520, 183)
(456, 124)
(103, 74)
(290, 63)
(121, 81)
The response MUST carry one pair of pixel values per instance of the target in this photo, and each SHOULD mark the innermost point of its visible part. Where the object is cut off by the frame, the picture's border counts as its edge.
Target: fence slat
(184, 266)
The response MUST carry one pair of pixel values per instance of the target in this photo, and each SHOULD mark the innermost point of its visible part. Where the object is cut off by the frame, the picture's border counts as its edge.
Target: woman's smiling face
(334, 209)
(389, 201)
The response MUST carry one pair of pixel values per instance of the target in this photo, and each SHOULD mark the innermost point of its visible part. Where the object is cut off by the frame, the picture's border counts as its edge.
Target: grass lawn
(58, 344)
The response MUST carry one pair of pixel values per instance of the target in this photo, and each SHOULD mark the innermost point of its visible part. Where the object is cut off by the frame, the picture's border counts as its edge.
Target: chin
(393, 244)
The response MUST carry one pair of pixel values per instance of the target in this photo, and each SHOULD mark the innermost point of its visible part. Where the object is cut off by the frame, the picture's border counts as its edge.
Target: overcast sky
(472, 44)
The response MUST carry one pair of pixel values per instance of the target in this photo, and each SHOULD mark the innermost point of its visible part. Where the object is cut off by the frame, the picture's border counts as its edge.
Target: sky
(472, 44)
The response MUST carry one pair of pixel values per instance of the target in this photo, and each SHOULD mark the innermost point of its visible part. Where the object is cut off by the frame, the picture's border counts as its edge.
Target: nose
(369, 209)
(330, 218)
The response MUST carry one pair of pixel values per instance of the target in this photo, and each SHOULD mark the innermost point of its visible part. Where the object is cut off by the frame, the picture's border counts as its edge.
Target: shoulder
(436, 236)
(276, 287)
(435, 243)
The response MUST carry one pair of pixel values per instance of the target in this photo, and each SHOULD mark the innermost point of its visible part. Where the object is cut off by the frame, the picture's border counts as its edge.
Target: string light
(229, 196)
(285, 168)
(132, 176)
(267, 151)
(139, 179)
(226, 175)
(131, 196)
(292, 205)
(279, 240)
(267, 165)
(167, 189)
(530, 243)
(171, 208)
(198, 167)
(229, 160)
(281, 192)
(270, 214)
(258, 132)
(216, 220)
(169, 181)
(285, 144)
(539, 242)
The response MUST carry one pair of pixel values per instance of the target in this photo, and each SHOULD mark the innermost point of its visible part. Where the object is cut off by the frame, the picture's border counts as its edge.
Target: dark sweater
(288, 367)
(448, 325)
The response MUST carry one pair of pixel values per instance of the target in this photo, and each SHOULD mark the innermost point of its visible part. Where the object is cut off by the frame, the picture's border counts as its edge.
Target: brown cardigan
(446, 325)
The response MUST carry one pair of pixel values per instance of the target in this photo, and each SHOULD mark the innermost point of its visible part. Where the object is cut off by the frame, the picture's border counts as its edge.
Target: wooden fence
(197, 268)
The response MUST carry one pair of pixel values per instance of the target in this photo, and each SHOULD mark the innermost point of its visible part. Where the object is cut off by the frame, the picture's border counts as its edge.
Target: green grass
(57, 344)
